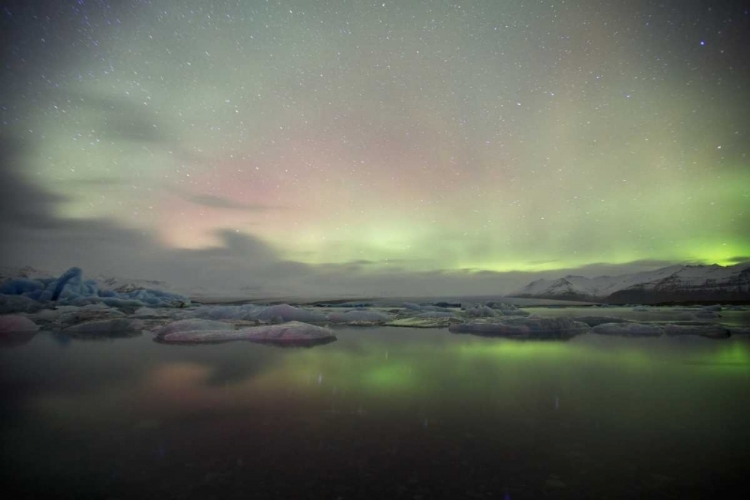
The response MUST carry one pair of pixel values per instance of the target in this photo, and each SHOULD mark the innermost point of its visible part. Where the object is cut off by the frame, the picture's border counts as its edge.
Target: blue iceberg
(26, 295)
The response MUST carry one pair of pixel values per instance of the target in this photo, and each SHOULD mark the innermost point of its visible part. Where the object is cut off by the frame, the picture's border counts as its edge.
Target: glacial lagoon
(382, 412)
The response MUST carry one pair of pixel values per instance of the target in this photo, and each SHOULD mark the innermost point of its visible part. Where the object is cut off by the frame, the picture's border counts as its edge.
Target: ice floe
(292, 334)
(529, 328)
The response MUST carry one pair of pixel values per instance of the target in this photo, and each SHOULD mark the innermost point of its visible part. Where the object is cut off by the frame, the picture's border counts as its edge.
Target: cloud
(21, 203)
(118, 117)
(31, 234)
(212, 201)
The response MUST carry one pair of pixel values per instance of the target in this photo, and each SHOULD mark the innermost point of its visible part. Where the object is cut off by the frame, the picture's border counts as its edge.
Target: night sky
(380, 147)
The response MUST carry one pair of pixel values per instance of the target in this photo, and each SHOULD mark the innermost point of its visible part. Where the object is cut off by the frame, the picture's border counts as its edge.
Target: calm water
(381, 413)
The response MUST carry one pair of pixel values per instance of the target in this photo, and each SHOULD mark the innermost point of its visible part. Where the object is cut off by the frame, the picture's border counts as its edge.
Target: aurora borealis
(381, 142)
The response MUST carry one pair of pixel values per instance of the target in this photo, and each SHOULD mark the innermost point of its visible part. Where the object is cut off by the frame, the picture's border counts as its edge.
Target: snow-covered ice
(71, 289)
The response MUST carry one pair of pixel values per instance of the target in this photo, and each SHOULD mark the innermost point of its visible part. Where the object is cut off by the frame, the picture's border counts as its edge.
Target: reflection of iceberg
(107, 328)
(292, 334)
(16, 330)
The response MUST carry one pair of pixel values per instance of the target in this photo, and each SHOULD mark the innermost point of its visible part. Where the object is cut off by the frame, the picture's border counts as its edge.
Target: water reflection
(407, 412)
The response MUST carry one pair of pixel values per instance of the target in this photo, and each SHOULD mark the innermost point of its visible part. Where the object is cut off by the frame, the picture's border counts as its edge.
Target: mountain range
(678, 283)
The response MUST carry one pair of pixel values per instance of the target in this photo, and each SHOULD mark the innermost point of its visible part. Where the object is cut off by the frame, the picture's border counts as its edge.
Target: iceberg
(421, 321)
(192, 325)
(525, 328)
(435, 314)
(265, 314)
(599, 320)
(292, 334)
(16, 330)
(12, 323)
(481, 312)
(629, 329)
(411, 306)
(18, 295)
(285, 312)
(507, 309)
(358, 316)
(245, 312)
(18, 303)
(72, 276)
(71, 315)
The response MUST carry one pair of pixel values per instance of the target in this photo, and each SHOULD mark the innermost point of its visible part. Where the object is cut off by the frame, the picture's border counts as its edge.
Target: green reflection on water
(591, 406)
(732, 356)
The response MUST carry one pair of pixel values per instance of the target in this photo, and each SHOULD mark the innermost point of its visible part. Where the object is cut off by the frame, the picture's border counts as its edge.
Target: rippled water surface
(381, 413)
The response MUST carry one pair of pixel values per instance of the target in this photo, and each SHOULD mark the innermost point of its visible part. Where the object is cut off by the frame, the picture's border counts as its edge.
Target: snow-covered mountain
(669, 284)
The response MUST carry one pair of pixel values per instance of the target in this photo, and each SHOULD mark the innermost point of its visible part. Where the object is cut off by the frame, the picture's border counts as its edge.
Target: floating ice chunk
(146, 312)
(412, 306)
(435, 314)
(12, 323)
(16, 330)
(285, 312)
(599, 320)
(289, 334)
(20, 286)
(686, 316)
(507, 309)
(193, 325)
(530, 328)
(18, 303)
(433, 307)
(46, 316)
(629, 329)
(707, 314)
(422, 322)
(91, 312)
(241, 312)
(358, 316)
(515, 312)
(641, 309)
(481, 312)
(447, 305)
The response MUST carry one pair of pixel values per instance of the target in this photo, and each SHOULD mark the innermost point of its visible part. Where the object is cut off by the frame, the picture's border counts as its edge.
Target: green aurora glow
(499, 136)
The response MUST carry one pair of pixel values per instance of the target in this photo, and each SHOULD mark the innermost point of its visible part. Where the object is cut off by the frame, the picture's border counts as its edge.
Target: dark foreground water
(381, 413)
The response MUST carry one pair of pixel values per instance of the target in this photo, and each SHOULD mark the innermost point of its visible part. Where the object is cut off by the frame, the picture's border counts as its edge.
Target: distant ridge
(679, 283)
